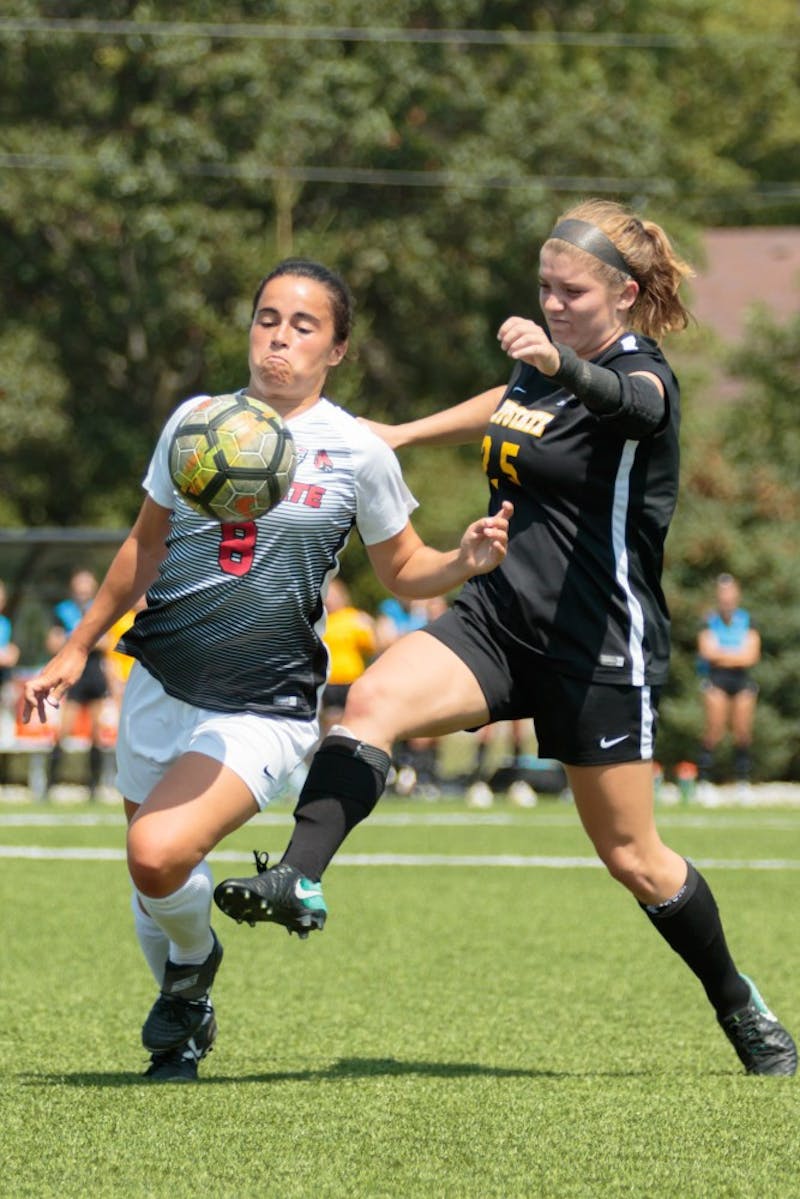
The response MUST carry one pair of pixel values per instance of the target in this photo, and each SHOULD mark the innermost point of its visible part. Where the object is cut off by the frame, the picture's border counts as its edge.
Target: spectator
(9, 657)
(351, 641)
(728, 647)
(119, 664)
(9, 652)
(416, 761)
(89, 691)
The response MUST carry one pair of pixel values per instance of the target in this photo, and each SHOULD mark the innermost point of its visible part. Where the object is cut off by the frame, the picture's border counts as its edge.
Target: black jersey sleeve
(643, 411)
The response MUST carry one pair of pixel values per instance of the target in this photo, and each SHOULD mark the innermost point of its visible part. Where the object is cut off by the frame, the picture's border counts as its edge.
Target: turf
(457, 1030)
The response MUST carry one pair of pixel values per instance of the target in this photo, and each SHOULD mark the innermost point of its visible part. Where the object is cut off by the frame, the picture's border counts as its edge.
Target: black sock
(95, 767)
(690, 923)
(345, 781)
(705, 763)
(742, 764)
(53, 764)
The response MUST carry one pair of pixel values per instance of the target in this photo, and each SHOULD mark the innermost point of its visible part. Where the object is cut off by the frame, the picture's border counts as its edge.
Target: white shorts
(155, 729)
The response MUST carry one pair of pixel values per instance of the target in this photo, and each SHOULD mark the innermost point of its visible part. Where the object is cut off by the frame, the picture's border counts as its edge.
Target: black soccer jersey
(581, 581)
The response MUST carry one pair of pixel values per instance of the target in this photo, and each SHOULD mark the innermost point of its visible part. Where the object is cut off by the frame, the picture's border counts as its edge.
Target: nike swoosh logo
(306, 890)
(522, 389)
(607, 742)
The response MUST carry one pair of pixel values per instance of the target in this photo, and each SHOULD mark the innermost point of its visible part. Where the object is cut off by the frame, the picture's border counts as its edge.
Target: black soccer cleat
(280, 894)
(762, 1043)
(180, 1065)
(183, 1007)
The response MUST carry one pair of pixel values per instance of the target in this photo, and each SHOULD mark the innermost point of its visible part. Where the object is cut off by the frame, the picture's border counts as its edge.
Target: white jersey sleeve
(384, 502)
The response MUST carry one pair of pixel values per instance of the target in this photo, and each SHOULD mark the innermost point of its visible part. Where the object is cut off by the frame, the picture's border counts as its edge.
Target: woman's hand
(485, 542)
(526, 341)
(52, 683)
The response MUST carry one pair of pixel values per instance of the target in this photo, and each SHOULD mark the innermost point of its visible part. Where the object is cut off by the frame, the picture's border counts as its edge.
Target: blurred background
(158, 159)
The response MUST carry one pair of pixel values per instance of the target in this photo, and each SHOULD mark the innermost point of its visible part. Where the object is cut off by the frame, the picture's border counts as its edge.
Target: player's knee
(367, 700)
(629, 867)
(153, 864)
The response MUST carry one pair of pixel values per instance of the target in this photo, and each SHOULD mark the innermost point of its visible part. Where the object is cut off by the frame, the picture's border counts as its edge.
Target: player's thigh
(198, 801)
(417, 687)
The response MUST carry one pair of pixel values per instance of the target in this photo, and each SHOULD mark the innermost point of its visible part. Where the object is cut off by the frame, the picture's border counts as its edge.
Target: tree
(739, 511)
(153, 172)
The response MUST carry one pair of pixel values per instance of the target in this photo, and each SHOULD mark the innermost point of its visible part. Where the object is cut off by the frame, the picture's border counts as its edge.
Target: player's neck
(288, 407)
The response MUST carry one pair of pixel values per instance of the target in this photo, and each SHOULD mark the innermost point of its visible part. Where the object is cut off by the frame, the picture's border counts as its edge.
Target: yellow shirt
(120, 665)
(350, 638)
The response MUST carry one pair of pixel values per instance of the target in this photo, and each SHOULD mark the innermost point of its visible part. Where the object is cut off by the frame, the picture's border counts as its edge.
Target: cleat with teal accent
(762, 1043)
(180, 1064)
(280, 894)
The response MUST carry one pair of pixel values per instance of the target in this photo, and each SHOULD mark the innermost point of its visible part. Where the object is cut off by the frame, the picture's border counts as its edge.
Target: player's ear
(628, 295)
(337, 353)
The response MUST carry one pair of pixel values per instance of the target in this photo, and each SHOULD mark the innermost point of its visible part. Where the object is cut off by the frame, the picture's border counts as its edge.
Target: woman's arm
(458, 425)
(743, 657)
(133, 569)
(411, 569)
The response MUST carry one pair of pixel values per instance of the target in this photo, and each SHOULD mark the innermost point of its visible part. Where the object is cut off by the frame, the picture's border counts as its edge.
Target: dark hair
(342, 304)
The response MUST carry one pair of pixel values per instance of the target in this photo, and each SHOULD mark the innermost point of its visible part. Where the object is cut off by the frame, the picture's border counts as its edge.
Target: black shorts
(731, 680)
(92, 684)
(578, 722)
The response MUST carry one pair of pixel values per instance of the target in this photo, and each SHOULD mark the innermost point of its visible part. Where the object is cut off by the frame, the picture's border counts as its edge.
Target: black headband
(591, 239)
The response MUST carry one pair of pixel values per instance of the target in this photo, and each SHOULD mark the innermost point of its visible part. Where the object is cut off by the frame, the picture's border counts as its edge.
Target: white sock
(153, 943)
(185, 917)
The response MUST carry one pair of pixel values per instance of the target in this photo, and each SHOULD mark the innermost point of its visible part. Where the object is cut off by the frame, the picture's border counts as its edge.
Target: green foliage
(152, 177)
(739, 511)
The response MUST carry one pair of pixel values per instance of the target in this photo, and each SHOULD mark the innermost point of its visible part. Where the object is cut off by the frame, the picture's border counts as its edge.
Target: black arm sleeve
(632, 402)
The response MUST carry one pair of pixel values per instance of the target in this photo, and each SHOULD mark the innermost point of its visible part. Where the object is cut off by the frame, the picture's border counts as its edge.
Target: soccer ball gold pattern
(232, 457)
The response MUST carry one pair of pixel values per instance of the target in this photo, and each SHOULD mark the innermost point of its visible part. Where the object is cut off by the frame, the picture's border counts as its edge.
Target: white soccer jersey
(235, 619)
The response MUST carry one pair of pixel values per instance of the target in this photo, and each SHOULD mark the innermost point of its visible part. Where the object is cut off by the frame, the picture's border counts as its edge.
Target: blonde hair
(653, 263)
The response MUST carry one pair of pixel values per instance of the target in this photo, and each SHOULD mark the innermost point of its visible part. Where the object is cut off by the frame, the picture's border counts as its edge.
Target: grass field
(486, 1014)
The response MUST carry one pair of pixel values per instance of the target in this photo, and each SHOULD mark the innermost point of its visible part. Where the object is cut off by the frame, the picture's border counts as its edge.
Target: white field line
(47, 854)
(530, 820)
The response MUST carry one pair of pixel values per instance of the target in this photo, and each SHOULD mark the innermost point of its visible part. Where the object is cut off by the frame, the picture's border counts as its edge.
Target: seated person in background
(728, 647)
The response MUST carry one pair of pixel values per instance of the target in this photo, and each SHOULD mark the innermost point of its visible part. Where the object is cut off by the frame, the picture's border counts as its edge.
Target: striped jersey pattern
(234, 621)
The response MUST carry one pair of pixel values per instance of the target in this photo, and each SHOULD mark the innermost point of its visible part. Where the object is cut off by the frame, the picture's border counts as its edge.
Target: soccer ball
(232, 457)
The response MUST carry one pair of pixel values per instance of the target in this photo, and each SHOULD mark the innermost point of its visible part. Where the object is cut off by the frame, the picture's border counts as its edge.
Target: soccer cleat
(180, 1064)
(183, 1007)
(280, 894)
(762, 1043)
